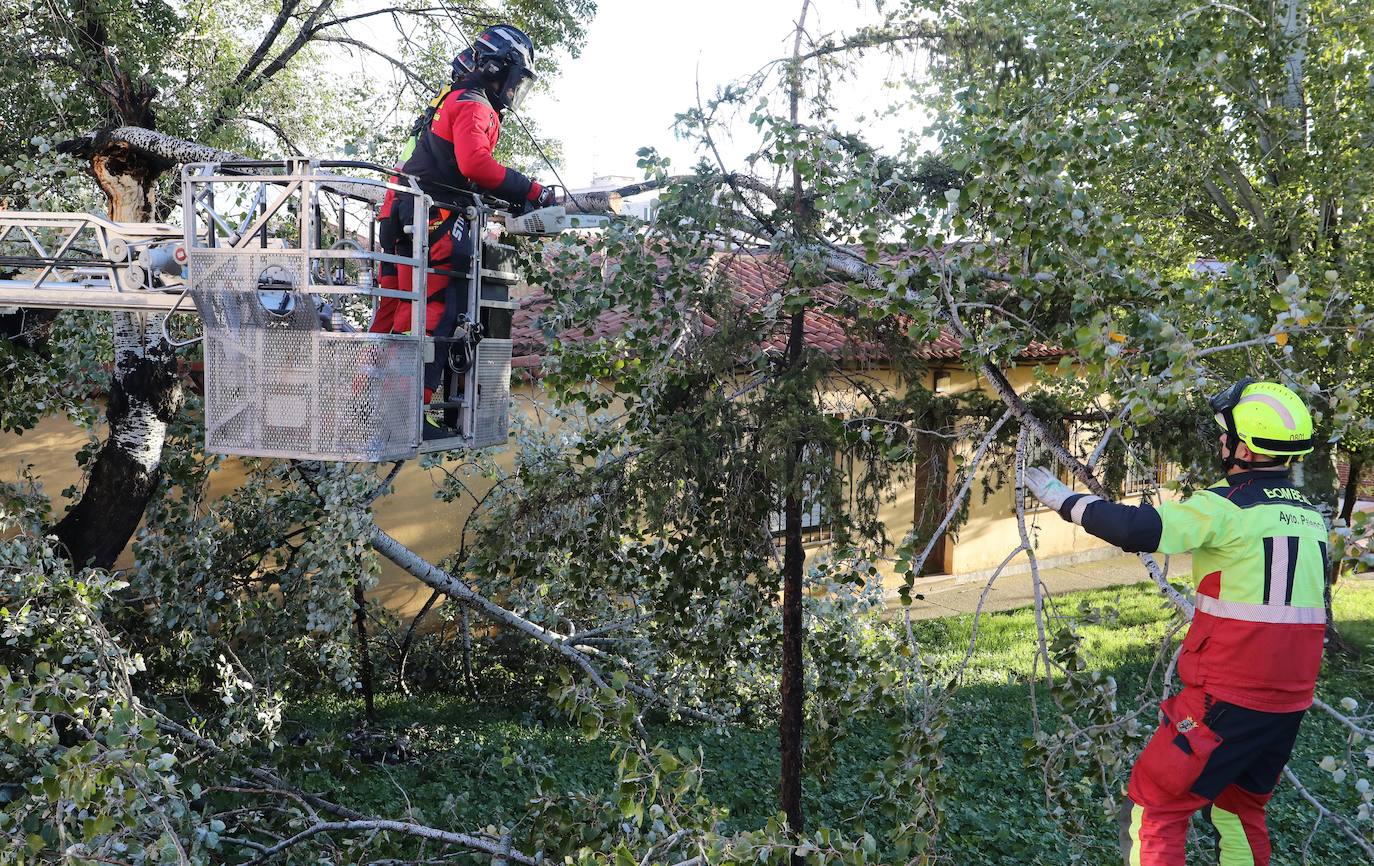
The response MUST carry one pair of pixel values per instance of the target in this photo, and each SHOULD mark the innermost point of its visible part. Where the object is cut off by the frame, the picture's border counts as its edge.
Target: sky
(642, 62)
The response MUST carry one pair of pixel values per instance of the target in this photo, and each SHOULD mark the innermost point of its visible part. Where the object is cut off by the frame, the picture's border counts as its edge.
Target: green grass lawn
(473, 764)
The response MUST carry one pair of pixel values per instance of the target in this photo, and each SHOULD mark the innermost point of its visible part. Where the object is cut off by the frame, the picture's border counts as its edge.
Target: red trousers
(1155, 835)
(1209, 755)
(385, 317)
(393, 314)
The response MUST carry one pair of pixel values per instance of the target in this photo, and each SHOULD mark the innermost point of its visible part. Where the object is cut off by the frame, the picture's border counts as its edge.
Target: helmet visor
(518, 83)
(1223, 403)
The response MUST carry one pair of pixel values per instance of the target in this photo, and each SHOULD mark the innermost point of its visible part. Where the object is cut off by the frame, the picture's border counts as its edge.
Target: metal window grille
(817, 521)
(1039, 454)
(1143, 470)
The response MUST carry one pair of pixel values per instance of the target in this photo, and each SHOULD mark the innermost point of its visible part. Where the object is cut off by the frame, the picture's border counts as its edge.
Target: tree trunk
(403, 654)
(469, 679)
(364, 659)
(1335, 643)
(145, 392)
(1352, 489)
(1316, 477)
(793, 686)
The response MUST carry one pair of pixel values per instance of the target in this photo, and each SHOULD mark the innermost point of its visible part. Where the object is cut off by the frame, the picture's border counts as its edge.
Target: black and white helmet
(503, 57)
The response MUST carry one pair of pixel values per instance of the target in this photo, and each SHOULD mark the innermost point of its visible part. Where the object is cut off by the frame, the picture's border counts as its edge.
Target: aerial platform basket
(280, 260)
(278, 384)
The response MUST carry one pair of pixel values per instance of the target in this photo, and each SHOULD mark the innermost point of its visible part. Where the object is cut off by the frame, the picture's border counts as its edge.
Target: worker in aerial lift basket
(391, 236)
(1250, 658)
(452, 154)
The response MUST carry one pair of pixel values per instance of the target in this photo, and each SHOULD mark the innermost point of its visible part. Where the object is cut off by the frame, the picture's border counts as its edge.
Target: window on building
(1039, 454)
(817, 521)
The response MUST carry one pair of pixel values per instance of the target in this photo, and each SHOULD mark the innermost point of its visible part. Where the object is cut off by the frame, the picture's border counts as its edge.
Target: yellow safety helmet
(1268, 417)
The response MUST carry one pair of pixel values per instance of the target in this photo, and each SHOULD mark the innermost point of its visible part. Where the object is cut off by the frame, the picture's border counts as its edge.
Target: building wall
(411, 513)
(990, 532)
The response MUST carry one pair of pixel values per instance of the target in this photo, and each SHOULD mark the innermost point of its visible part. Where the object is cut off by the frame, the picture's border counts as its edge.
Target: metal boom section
(74, 261)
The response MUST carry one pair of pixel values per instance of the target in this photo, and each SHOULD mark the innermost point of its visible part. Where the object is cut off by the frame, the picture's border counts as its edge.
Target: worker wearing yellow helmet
(1250, 659)
(1267, 418)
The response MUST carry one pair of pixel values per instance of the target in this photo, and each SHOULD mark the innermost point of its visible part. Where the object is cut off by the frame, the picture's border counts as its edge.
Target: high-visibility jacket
(1260, 560)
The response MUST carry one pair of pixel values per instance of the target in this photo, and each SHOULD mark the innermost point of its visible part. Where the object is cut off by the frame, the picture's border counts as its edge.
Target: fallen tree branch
(733, 179)
(1352, 724)
(1327, 814)
(474, 843)
(157, 145)
(583, 657)
(1026, 417)
(433, 576)
(1042, 639)
(353, 820)
(978, 611)
(1007, 392)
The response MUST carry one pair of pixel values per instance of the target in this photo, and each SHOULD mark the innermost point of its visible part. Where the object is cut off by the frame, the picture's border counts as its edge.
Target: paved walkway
(951, 596)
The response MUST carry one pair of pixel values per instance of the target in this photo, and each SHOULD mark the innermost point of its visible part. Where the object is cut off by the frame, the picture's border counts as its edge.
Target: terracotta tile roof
(753, 280)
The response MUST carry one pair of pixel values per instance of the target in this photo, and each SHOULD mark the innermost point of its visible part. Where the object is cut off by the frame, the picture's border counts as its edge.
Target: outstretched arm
(474, 125)
(1135, 529)
(1173, 527)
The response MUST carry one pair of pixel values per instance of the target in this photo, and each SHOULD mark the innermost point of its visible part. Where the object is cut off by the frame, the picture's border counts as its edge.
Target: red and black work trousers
(1208, 755)
(450, 258)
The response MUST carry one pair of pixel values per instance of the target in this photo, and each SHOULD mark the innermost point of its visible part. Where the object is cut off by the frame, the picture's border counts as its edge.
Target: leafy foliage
(88, 775)
(633, 537)
(471, 761)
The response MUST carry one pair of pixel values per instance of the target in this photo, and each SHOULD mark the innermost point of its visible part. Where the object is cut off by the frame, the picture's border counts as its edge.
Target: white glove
(1046, 487)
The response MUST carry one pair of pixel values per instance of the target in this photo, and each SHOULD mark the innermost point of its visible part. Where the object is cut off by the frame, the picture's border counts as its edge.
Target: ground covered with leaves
(456, 761)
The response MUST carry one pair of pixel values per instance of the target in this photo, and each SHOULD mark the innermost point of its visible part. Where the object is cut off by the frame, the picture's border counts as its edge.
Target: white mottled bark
(437, 578)
(495, 847)
(1295, 36)
(144, 394)
(141, 433)
(169, 147)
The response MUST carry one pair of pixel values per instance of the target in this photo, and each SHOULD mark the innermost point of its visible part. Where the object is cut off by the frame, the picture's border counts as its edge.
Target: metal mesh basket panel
(491, 421)
(279, 386)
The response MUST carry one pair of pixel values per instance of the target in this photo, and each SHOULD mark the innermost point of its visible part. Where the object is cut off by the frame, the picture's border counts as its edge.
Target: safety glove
(548, 197)
(1046, 487)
